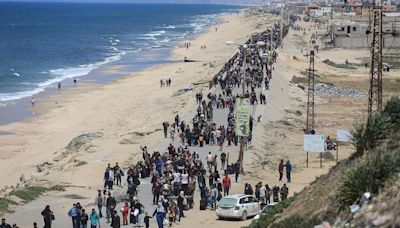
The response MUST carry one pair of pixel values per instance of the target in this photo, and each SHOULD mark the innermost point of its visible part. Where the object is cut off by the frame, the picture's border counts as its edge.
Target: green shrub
(367, 136)
(28, 194)
(378, 127)
(4, 204)
(368, 175)
(298, 222)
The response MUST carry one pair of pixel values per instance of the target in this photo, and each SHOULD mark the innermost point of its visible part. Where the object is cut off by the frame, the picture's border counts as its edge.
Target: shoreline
(111, 110)
(17, 110)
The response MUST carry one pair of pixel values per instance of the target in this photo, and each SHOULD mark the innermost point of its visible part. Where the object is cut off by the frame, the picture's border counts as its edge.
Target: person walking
(159, 212)
(84, 219)
(280, 169)
(223, 159)
(226, 182)
(94, 219)
(100, 202)
(147, 220)
(74, 214)
(116, 223)
(288, 170)
(125, 212)
(4, 224)
(48, 217)
(263, 194)
(110, 205)
(237, 171)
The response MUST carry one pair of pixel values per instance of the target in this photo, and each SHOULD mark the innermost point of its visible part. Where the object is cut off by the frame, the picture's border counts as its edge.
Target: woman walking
(160, 215)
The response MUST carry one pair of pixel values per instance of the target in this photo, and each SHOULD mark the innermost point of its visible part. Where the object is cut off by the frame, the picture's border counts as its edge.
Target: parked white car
(237, 206)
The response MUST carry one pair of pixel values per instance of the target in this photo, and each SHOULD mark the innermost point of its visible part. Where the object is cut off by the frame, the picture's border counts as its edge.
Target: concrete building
(352, 33)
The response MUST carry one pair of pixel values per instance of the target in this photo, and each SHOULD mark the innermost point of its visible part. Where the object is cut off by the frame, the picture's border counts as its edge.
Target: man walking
(74, 214)
(4, 224)
(84, 219)
(237, 171)
(226, 182)
(288, 170)
(280, 169)
(100, 202)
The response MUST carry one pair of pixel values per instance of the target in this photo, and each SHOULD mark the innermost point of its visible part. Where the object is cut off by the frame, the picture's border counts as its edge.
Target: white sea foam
(59, 75)
(166, 40)
(114, 49)
(18, 95)
(170, 27)
(154, 33)
(16, 74)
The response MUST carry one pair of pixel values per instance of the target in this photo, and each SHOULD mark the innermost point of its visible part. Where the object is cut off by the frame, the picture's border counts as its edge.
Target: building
(352, 32)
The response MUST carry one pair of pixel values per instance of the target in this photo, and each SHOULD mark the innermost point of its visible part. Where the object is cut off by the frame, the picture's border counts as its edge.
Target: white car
(237, 206)
(264, 211)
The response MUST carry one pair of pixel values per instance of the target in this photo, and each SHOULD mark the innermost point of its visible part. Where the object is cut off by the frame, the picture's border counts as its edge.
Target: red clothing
(226, 181)
(280, 168)
(125, 212)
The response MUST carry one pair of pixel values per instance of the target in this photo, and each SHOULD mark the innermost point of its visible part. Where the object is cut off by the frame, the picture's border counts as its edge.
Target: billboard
(343, 136)
(314, 143)
(242, 117)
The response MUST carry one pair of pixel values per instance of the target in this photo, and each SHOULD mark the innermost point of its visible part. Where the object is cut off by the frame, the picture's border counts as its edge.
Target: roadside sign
(343, 135)
(242, 117)
(314, 143)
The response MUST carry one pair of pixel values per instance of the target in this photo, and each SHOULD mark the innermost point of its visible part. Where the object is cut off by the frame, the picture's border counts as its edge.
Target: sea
(42, 44)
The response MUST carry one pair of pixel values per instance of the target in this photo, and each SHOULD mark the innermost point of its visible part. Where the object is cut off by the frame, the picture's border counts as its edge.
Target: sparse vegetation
(5, 204)
(378, 127)
(301, 87)
(340, 65)
(29, 193)
(80, 163)
(379, 138)
(271, 216)
(369, 175)
(285, 122)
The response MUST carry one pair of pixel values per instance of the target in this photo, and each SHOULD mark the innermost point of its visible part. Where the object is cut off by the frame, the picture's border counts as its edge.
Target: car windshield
(228, 201)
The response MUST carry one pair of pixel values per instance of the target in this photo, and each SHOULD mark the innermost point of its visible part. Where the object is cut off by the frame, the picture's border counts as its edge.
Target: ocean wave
(59, 75)
(154, 33)
(73, 72)
(166, 40)
(114, 49)
(169, 27)
(19, 95)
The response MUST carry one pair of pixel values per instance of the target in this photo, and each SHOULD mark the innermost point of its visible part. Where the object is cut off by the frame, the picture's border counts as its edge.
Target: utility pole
(281, 27)
(310, 100)
(310, 123)
(375, 72)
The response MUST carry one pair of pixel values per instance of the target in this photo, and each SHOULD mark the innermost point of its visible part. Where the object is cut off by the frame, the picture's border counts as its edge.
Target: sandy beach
(122, 115)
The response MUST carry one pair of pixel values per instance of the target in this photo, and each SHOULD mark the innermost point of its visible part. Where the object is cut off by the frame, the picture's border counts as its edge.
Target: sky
(145, 1)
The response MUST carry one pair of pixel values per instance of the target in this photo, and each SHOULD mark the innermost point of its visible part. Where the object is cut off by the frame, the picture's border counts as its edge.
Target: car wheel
(244, 216)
